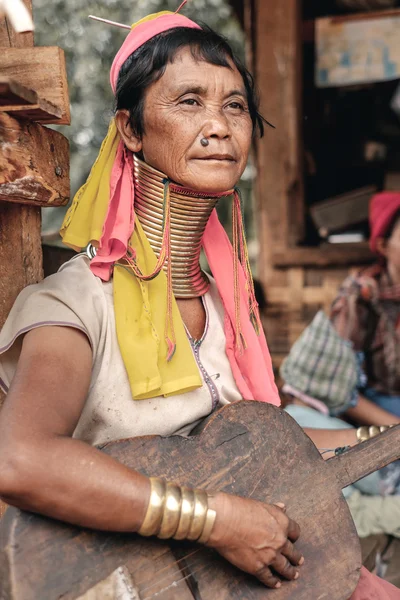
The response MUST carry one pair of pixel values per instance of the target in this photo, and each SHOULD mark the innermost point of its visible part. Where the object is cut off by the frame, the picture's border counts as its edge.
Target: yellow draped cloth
(140, 306)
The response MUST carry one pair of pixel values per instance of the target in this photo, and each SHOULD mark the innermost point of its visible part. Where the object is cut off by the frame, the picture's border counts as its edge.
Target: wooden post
(274, 27)
(34, 161)
(20, 247)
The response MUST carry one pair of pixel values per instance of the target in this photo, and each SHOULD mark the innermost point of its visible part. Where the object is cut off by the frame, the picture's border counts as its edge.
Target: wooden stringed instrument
(247, 448)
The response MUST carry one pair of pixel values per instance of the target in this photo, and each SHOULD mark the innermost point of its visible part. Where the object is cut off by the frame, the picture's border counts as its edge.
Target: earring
(204, 142)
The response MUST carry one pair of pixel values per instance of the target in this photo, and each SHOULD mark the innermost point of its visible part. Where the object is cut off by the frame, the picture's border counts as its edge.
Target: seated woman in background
(320, 382)
(367, 312)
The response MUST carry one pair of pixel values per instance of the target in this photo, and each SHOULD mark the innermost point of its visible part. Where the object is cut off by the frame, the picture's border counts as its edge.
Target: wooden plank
(43, 70)
(25, 103)
(326, 256)
(278, 58)
(34, 163)
(14, 93)
(363, 16)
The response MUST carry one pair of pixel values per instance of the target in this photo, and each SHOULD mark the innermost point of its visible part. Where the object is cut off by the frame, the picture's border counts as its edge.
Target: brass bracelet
(366, 433)
(208, 527)
(177, 512)
(199, 515)
(187, 512)
(172, 512)
(155, 510)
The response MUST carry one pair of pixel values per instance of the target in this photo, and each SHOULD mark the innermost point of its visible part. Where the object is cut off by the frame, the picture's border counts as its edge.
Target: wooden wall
(298, 280)
(295, 295)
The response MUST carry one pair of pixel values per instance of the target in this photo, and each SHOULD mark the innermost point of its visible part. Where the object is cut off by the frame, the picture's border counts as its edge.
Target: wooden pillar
(34, 160)
(274, 28)
(20, 247)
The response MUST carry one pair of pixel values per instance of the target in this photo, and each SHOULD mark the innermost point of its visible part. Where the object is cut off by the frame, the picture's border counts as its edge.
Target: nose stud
(204, 142)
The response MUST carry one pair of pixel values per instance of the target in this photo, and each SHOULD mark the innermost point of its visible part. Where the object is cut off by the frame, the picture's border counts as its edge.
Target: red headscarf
(382, 211)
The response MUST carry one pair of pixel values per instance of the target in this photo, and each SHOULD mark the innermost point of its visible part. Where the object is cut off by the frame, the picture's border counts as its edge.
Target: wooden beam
(34, 163)
(43, 70)
(278, 63)
(366, 16)
(324, 256)
(25, 103)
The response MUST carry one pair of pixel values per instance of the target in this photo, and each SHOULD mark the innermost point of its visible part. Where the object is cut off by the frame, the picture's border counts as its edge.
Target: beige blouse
(74, 297)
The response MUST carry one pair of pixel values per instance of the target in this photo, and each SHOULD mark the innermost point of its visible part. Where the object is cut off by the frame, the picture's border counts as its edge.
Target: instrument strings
(169, 571)
(175, 583)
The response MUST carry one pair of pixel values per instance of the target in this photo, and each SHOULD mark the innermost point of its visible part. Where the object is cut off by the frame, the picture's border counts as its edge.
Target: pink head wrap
(382, 211)
(251, 368)
(142, 34)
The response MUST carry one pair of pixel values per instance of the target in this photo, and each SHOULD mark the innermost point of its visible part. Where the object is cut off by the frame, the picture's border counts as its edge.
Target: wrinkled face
(390, 248)
(191, 101)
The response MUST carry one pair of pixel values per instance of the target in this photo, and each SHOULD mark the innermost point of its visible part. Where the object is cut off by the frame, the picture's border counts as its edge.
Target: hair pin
(181, 6)
(121, 25)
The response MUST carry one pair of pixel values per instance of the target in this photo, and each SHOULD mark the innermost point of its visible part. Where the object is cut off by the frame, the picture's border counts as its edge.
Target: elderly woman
(138, 340)
(367, 312)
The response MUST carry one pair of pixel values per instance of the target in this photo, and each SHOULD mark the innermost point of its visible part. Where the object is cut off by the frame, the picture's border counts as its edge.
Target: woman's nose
(217, 126)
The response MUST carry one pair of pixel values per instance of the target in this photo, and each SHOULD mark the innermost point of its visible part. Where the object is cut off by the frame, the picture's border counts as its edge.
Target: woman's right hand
(256, 537)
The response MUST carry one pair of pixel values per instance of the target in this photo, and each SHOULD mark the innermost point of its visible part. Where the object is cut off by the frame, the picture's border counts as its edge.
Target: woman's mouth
(217, 157)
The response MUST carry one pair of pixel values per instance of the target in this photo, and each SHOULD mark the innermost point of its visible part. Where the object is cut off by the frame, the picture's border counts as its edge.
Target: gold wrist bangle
(366, 433)
(208, 527)
(172, 512)
(187, 512)
(373, 431)
(362, 434)
(177, 512)
(154, 514)
(199, 515)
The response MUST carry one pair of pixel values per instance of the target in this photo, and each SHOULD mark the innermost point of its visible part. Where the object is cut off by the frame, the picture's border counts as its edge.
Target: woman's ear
(131, 140)
(381, 246)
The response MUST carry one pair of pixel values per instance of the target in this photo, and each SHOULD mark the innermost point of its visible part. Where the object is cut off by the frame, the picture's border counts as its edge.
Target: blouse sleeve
(73, 297)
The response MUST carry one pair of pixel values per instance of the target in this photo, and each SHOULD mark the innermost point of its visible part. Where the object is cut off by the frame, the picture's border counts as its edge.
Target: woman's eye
(236, 106)
(190, 102)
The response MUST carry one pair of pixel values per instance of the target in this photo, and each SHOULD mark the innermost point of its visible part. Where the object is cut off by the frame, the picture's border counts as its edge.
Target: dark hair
(392, 226)
(148, 63)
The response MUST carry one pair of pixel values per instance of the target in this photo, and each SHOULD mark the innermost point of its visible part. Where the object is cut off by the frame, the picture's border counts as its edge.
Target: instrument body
(248, 448)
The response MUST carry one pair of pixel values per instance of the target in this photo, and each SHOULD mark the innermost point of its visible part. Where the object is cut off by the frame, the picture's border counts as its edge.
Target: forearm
(368, 413)
(331, 438)
(69, 480)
